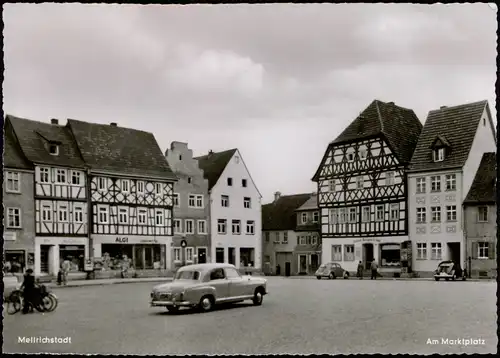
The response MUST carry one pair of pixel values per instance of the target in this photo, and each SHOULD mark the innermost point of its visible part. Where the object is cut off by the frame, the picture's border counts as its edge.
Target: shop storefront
(50, 252)
(386, 251)
(142, 252)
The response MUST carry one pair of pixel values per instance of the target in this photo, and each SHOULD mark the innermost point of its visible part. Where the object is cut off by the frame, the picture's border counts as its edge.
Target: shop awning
(390, 247)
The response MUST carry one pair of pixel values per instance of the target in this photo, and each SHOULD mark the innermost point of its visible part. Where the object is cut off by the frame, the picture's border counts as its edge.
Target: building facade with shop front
(131, 197)
(307, 251)
(60, 194)
(362, 189)
(441, 173)
(19, 207)
(191, 241)
(235, 210)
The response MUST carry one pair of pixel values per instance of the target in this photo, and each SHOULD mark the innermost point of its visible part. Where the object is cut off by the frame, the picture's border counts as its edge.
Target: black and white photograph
(249, 179)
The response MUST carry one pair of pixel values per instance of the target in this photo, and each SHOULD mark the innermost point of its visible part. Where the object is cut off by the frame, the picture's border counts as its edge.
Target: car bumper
(171, 304)
(443, 276)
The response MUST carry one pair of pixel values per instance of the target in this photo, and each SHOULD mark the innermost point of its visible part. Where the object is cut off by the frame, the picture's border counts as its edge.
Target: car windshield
(187, 275)
(322, 266)
(446, 267)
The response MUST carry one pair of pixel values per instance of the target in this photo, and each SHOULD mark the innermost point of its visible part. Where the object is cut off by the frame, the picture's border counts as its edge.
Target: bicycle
(15, 301)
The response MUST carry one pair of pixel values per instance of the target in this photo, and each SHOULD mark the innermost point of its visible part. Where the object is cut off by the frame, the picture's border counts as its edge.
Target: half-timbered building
(441, 173)
(235, 209)
(131, 193)
(362, 189)
(191, 242)
(60, 195)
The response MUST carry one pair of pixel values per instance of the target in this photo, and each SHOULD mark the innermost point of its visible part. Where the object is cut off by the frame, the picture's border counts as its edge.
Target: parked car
(204, 285)
(449, 270)
(331, 270)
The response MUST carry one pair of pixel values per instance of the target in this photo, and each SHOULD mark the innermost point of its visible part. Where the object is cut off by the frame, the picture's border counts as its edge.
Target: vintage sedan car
(204, 285)
(449, 270)
(331, 270)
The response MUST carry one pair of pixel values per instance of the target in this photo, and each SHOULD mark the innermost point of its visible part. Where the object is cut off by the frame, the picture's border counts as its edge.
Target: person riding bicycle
(30, 292)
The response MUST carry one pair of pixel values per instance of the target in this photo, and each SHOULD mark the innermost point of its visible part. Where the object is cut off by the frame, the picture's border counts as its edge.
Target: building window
(350, 157)
(122, 216)
(101, 184)
(176, 200)
(14, 217)
(199, 201)
(158, 189)
(53, 149)
(75, 177)
(352, 215)
(315, 217)
(360, 182)
(13, 182)
(285, 238)
(451, 213)
(435, 183)
(366, 214)
(189, 254)
(438, 154)
(247, 203)
(177, 254)
(230, 181)
(331, 185)
(141, 217)
(202, 227)
(334, 216)
(46, 213)
(125, 185)
(140, 187)
(302, 240)
(276, 237)
(379, 213)
(389, 178)
(336, 252)
(267, 235)
(483, 250)
(362, 154)
(342, 215)
(63, 213)
(61, 176)
(482, 214)
(103, 214)
(159, 215)
(44, 175)
(421, 251)
(221, 226)
(236, 227)
(451, 182)
(436, 252)
(394, 212)
(78, 215)
(192, 201)
(177, 226)
(421, 215)
(244, 183)
(435, 214)
(348, 252)
(250, 227)
(390, 255)
(303, 218)
(190, 180)
(189, 226)
(224, 201)
(420, 185)
(314, 240)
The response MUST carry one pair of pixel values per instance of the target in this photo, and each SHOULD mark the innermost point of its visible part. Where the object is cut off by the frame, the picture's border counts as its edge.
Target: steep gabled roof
(458, 125)
(13, 156)
(34, 136)
(311, 204)
(483, 188)
(280, 214)
(112, 148)
(213, 164)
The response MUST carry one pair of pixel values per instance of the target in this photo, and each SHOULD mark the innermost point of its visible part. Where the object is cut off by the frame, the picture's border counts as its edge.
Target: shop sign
(148, 241)
(122, 239)
(76, 241)
(89, 265)
(366, 240)
(9, 236)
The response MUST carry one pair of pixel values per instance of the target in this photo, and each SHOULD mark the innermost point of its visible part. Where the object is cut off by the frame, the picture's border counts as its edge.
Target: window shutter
(491, 250)
(474, 249)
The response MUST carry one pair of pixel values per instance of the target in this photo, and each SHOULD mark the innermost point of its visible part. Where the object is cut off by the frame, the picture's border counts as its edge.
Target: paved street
(299, 316)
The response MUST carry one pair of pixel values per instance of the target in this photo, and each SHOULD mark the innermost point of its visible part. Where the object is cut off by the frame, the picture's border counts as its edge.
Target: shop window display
(142, 257)
(390, 255)
(75, 255)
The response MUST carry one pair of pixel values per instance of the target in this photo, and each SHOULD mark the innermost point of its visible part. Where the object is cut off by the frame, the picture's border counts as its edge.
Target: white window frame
(483, 250)
(13, 178)
(125, 186)
(348, 250)
(189, 230)
(315, 217)
(360, 182)
(342, 215)
(435, 183)
(436, 214)
(247, 203)
(438, 154)
(160, 191)
(303, 218)
(421, 251)
(78, 214)
(159, 214)
(123, 216)
(314, 240)
(352, 215)
(390, 178)
(451, 182)
(377, 212)
(102, 183)
(451, 213)
(177, 200)
(350, 156)
(421, 215)
(189, 251)
(56, 146)
(334, 216)
(394, 209)
(332, 186)
(222, 223)
(177, 254)
(236, 224)
(436, 251)
(103, 210)
(44, 175)
(363, 153)
(142, 213)
(302, 240)
(285, 238)
(334, 252)
(199, 201)
(76, 177)
(224, 199)
(421, 185)
(192, 201)
(250, 227)
(140, 187)
(366, 216)
(483, 217)
(14, 212)
(63, 209)
(46, 214)
(61, 176)
(203, 230)
(178, 228)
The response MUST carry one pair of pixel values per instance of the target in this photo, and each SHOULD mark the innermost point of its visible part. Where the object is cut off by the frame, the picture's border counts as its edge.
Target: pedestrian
(7, 267)
(374, 268)
(29, 291)
(125, 266)
(359, 271)
(65, 266)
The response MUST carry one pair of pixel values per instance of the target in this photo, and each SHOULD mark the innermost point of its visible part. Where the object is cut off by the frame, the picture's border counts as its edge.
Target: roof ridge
(379, 115)
(485, 101)
(107, 125)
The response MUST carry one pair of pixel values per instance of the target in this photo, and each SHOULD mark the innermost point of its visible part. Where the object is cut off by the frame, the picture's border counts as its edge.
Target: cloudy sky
(277, 81)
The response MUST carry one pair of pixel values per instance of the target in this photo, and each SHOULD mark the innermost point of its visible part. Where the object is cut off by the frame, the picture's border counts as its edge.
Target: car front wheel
(206, 303)
(172, 309)
(258, 297)
(318, 277)
(436, 278)
(346, 275)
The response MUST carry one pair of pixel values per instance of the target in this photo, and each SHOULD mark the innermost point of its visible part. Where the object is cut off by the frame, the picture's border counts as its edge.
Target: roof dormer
(53, 147)
(440, 148)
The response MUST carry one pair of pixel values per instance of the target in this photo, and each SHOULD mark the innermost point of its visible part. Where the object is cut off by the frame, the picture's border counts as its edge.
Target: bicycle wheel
(52, 302)
(14, 303)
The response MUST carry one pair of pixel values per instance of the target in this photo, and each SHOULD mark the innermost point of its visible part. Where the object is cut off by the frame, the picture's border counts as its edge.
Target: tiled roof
(281, 215)
(111, 148)
(33, 138)
(310, 204)
(483, 188)
(457, 125)
(399, 125)
(12, 155)
(213, 164)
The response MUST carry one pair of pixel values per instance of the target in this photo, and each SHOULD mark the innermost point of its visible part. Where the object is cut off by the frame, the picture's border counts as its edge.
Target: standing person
(374, 268)
(125, 266)
(65, 266)
(29, 291)
(360, 270)
(7, 267)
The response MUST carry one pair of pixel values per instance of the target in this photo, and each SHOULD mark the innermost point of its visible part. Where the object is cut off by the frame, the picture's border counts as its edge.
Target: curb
(97, 283)
(385, 279)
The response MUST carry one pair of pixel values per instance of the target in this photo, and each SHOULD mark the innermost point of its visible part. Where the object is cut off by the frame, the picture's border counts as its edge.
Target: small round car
(331, 270)
(449, 270)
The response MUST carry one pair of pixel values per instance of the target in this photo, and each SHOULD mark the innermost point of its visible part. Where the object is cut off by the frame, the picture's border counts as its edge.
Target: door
(148, 257)
(288, 268)
(139, 262)
(220, 283)
(454, 252)
(202, 255)
(238, 286)
(219, 255)
(338, 270)
(302, 264)
(44, 258)
(314, 262)
(368, 250)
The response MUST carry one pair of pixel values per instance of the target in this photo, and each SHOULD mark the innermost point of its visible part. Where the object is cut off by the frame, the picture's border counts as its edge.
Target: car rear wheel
(206, 303)
(436, 278)
(172, 309)
(346, 275)
(331, 276)
(318, 277)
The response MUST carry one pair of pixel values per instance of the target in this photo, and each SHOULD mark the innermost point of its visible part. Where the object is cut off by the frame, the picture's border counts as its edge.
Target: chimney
(443, 107)
(54, 121)
(113, 124)
(277, 195)
(391, 103)
(210, 152)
